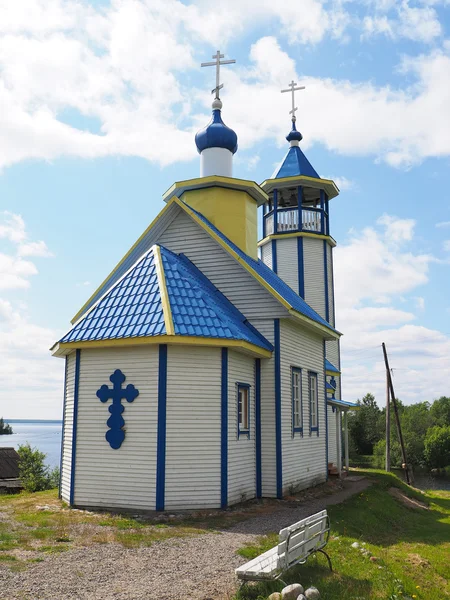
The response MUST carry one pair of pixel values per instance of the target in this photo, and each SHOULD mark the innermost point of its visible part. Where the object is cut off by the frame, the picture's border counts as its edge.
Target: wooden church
(205, 369)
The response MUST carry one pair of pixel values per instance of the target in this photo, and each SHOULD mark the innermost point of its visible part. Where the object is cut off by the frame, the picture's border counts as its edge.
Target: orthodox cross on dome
(217, 63)
(116, 435)
(293, 89)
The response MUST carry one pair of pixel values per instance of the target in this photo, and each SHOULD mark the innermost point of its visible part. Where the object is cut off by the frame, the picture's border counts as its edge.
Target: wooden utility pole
(397, 418)
(388, 426)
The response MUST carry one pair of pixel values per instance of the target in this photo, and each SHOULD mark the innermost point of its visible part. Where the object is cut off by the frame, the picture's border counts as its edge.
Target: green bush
(437, 447)
(33, 473)
(5, 429)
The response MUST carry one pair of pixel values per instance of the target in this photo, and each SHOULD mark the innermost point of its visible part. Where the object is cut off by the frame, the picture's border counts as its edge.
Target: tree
(5, 429)
(440, 411)
(366, 425)
(437, 447)
(33, 473)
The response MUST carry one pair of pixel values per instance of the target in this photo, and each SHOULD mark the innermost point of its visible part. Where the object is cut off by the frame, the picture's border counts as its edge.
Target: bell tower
(296, 241)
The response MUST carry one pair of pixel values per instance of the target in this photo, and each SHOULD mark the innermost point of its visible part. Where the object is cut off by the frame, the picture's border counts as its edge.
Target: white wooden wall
(184, 235)
(242, 450)
(287, 261)
(314, 274)
(266, 254)
(268, 440)
(330, 285)
(304, 458)
(125, 477)
(193, 428)
(66, 462)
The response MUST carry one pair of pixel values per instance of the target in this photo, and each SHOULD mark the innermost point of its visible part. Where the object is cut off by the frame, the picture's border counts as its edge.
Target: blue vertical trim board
(275, 211)
(75, 423)
(264, 219)
(299, 204)
(162, 425)
(301, 268)
(325, 275)
(322, 206)
(327, 210)
(278, 442)
(63, 427)
(274, 256)
(224, 431)
(258, 427)
(326, 408)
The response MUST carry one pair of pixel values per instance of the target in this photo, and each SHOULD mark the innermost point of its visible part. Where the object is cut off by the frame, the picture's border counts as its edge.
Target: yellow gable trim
(165, 302)
(64, 348)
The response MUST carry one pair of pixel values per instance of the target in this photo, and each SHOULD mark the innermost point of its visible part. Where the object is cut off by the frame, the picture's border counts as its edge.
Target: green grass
(412, 548)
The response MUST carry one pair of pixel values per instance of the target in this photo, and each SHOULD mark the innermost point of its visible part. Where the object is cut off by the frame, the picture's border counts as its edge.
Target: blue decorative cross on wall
(116, 434)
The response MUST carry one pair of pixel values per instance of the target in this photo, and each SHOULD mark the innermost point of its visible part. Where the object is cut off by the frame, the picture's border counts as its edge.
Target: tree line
(425, 427)
(5, 429)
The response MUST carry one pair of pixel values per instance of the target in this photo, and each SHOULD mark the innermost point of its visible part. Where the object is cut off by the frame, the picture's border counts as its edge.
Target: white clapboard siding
(332, 350)
(314, 274)
(66, 459)
(287, 261)
(304, 458)
(126, 477)
(185, 236)
(330, 285)
(193, 428)
(268, 439)
(332, 454)
(266, 254)
(242, 450)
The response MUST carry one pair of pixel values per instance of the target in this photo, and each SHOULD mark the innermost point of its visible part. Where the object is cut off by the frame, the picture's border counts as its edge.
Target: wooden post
(347, 462)
(338, 441)
(388, 426)
(397, 418)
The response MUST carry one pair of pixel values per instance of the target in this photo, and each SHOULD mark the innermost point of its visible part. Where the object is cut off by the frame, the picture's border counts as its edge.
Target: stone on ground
(274, 596)
(291, 592)
(312, 593)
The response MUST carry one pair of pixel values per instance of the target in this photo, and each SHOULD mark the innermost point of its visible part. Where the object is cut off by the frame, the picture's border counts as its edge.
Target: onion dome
(294, 135)
(216, 134)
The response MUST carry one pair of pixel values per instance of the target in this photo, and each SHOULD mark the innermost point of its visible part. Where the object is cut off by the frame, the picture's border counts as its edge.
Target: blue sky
(99, 105)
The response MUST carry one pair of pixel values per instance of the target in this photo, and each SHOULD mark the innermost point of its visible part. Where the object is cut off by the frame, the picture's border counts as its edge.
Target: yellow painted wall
(234, 212)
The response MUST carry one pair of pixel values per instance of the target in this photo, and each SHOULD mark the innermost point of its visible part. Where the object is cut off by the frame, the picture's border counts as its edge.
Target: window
(243, 397)
(313, 408)
(297, 407)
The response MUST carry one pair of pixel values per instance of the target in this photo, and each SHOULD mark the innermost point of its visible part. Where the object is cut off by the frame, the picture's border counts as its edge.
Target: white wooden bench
(295, 544)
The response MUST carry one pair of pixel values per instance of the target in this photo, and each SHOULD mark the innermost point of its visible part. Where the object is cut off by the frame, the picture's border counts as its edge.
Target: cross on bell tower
(293, 89)
(217, 63)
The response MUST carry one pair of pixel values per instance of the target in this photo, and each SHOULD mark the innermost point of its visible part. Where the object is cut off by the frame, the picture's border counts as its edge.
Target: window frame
(241, 431)
(297, 428)
(313, 428)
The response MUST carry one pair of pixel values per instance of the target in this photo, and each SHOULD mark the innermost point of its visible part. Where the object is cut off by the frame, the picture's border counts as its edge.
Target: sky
(99, 104)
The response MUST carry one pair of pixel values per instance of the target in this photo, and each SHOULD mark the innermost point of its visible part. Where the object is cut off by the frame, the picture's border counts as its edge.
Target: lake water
(43, 435)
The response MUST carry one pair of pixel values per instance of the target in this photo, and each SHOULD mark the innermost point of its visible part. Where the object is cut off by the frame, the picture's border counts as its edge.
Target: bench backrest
(298, 541)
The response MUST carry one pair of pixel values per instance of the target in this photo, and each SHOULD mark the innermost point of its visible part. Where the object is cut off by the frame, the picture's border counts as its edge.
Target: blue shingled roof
(199, 308)
(342, 403)
(295, 164)
(133, 308)
(330, 367)
(277, 284)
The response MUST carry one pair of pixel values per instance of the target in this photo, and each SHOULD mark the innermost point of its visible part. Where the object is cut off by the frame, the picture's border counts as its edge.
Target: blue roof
(216, 135)
(330, 367)
(295, 164)
(199, 308)
(277, 284)
(133, 308)
(342, 403)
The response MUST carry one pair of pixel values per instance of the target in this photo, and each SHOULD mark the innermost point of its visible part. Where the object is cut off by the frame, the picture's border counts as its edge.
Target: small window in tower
(313, 402)
(243, 399)
(297, 406)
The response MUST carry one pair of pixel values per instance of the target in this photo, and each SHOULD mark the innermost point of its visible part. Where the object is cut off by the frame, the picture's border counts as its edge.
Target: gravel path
(194, 568)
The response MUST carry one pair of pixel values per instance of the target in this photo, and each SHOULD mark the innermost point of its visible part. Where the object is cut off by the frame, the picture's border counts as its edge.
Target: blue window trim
(63, 427)
(258, 427)
(297, 429)
(161, 436)
(311, 428)
(75, 426)
(224, 431)
(243, 432)
(278, 438)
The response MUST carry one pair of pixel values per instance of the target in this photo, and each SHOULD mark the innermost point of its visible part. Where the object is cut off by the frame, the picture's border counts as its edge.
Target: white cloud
(34, 249)
(13, 227)
(343, 183)
(129, 66)
(375, 270)
(443, 224)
